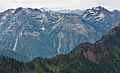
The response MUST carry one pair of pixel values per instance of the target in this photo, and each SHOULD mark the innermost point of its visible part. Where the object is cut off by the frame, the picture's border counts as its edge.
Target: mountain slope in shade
(34, 33)
(41, 33)
(101, 57)
(14, 55)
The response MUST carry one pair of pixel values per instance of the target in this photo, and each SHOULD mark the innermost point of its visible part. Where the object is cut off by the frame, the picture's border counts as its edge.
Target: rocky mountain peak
(21, 10)
(44, 9)
(116, 12)
(97, 12)
(99, 8)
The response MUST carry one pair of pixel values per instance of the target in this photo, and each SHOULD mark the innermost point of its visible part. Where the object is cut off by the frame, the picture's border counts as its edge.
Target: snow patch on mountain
(16, 41)
(101, 16)
(43, 28)
(61, 36)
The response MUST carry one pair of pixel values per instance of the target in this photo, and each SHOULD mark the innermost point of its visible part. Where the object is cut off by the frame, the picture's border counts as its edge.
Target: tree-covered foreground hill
(101, 57)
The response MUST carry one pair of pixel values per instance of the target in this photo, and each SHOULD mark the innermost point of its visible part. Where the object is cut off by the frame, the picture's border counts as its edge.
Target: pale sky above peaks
(59, 4)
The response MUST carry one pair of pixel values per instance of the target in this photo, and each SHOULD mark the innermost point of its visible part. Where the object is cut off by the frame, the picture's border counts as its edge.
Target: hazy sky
(59, 4)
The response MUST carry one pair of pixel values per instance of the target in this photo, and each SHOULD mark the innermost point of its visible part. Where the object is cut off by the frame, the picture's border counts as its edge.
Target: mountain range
(101, 57)
(32, 33)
